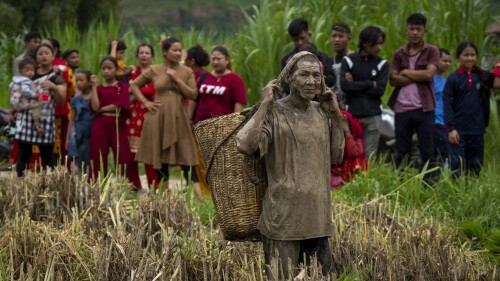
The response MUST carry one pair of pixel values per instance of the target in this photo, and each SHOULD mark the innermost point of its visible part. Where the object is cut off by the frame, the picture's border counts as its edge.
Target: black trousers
(163, 173)
(190, 169)
(24, 155)
(467, 156)
(423, 124)
(440, 145)
(294, 250)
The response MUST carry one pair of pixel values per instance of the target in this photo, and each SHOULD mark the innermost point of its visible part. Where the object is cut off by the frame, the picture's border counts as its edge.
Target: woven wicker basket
(237, 184)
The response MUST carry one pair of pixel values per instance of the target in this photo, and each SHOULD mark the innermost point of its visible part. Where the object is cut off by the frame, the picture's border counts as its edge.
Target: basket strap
(254, 179)
(248, 114)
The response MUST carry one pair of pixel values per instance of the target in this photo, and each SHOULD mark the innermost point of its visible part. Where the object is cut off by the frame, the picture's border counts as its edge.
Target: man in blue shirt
(441, 135)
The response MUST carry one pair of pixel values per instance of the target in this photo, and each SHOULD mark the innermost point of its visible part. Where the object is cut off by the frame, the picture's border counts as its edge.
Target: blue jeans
(467, 155)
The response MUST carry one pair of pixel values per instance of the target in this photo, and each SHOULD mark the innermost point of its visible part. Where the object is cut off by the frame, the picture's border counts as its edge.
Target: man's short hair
(443, 51)
(65, 55)
(32, 35)
(297, 26)
(341, 27)
(416, 19)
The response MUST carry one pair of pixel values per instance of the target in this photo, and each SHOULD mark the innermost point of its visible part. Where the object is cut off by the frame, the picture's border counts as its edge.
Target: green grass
(469, 204)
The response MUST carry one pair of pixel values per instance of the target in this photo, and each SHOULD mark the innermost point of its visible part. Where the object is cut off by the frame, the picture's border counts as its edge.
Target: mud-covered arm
(331, 108)
(337, 141)
(248, 138)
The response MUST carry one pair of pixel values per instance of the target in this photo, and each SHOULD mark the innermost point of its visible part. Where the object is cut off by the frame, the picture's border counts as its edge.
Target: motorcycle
(7, 133)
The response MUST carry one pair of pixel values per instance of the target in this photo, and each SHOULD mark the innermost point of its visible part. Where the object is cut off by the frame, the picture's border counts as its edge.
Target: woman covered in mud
(293, 134)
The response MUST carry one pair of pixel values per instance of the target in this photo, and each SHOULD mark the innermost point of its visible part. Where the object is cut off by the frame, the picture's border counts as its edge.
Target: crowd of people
(57, 106)
(145, 114)
(449, 116)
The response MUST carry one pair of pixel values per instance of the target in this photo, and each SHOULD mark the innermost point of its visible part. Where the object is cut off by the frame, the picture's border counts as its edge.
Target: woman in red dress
(144, 55)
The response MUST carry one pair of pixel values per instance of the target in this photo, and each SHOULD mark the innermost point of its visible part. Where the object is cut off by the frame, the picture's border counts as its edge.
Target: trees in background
(28, 14)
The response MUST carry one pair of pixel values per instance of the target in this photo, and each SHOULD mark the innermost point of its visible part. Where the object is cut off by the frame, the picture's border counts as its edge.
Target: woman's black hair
(145, 45)
(44, 45)
(167, 43)
(465, 44)
(370, 35)
(200, 56)
(111, 59)
(56, 45)
(225, 52)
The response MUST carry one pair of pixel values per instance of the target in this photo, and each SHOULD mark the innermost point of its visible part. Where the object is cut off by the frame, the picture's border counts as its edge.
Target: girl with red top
(111, 104)
(354, 153)
(223, 91)
(144, 55)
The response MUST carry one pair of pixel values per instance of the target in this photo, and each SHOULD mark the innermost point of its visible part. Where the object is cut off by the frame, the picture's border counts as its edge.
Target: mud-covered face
(306, 80)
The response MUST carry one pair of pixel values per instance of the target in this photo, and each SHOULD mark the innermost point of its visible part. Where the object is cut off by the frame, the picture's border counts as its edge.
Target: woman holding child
(51, 90)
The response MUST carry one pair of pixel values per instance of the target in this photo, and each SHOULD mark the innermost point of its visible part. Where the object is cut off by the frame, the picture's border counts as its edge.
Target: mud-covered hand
(269, 90)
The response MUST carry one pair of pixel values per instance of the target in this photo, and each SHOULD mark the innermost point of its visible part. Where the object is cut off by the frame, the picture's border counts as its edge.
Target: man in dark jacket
(363, 78)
